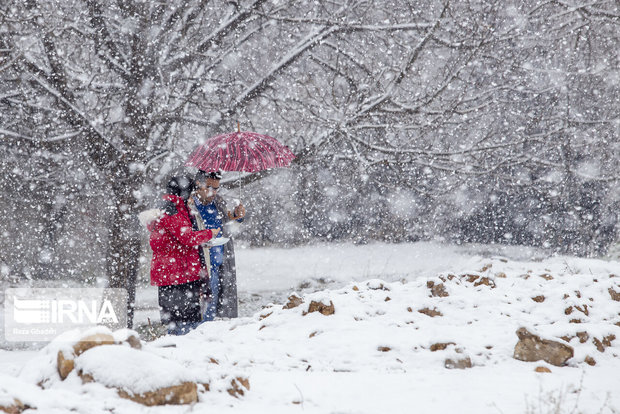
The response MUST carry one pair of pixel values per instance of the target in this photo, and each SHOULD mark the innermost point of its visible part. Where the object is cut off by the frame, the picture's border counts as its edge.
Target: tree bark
(124, 244)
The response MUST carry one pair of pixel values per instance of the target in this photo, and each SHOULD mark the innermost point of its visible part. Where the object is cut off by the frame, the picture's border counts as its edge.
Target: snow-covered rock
(140, 376)
(532, 348)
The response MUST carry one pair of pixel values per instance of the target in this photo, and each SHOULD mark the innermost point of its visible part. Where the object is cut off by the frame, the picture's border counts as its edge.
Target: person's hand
(239, 211)
(215, 232)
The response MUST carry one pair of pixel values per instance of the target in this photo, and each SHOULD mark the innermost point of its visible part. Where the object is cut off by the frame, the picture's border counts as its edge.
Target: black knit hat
(181, 186)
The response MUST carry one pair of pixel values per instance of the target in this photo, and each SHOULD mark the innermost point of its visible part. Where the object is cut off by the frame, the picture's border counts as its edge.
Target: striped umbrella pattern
(240, 151)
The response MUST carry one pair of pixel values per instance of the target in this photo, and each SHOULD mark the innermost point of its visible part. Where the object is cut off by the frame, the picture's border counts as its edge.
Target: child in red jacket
(176, 263)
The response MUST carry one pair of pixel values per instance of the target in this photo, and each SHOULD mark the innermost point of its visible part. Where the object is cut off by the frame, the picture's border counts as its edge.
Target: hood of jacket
(149, 218)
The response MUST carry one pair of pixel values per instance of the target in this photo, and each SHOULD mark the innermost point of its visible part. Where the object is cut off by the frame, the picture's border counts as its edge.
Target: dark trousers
(179, 306)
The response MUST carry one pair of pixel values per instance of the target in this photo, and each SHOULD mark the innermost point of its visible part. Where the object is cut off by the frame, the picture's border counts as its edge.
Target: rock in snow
(138, 375)
(532, 348)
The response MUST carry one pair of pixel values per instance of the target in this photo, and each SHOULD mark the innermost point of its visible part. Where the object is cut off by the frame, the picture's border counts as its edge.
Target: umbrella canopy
(240, 151)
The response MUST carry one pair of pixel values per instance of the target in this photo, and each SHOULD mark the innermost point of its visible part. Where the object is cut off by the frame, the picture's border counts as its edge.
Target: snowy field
(270, 274)
(377, 353)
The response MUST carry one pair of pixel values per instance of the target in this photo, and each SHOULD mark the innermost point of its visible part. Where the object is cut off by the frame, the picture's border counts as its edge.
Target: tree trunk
(124, 247)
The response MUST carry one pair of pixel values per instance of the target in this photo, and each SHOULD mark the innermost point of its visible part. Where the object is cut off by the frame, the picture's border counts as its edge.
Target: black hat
(181, 186)
(203, 175)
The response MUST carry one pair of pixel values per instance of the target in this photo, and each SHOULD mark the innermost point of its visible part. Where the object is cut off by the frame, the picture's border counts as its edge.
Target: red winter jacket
(175, 246)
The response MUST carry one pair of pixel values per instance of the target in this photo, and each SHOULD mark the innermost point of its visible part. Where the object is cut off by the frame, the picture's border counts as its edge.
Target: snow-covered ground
(377, 353)
(270, 274)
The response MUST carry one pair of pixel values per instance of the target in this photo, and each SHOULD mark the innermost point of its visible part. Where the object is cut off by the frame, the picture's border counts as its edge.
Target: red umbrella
(240, 151)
